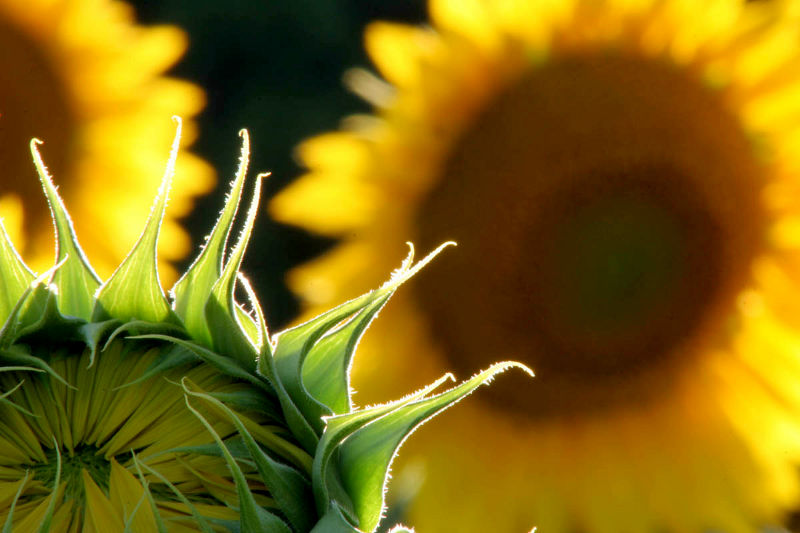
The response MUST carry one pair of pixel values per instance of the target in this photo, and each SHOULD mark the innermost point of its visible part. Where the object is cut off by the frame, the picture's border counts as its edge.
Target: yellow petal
(127, 494)
(101, 515)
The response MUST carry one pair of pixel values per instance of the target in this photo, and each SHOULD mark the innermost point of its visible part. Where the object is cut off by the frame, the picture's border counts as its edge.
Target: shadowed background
(274, 67)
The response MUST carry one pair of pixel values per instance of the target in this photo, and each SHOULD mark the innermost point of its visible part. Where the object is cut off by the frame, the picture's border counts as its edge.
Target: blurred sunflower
(83, 77)
(622, 179)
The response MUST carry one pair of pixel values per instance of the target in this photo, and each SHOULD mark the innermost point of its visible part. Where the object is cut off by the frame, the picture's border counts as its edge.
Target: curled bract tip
(525, 368)
(408, 268)
(37, 157)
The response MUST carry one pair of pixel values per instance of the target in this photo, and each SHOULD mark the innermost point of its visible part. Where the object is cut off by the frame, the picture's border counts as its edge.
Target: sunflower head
(125, 410)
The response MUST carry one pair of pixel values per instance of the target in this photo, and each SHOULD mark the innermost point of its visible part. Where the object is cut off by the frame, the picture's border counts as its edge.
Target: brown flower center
(33, 103)
(606, 209)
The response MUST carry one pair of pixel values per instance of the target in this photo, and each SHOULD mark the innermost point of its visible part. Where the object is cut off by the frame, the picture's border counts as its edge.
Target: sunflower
(124, 410)
(621, 177)
(85, 78)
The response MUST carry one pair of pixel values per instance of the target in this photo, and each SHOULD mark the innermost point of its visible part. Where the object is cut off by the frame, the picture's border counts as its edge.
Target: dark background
(274, 67)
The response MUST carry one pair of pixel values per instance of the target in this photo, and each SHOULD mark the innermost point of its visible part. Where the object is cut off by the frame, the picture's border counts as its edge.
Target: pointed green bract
(326, 369)
(10, 517)
(134, 290)
(338, 428)
(15, 276)
(192, 290)
(333, 353)
(254, 518)
(365, 455)
(75, 279)
(225, 319)
(334, 521)
(300, 456)
(51, 506)
(200, 521)
(286, 484)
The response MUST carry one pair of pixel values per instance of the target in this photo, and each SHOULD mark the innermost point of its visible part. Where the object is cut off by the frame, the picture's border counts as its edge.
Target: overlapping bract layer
(301, 375)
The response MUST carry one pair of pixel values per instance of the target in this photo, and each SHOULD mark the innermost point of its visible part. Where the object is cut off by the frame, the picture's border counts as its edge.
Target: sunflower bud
(124, 409)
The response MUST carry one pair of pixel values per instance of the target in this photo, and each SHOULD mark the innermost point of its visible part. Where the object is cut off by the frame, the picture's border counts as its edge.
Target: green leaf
(223, 316)
(75, 279)
(291, 490)
(134, 290)
(15, 276)
(193, 289)
(365, 456)
(253, 517)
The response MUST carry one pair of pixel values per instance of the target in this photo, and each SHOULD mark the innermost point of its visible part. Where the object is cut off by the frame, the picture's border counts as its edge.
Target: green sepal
(255, 327)
(75, 278)
(93, 334)
(326, 369)
(265, 367)
(44, 527)
(326, 484)
(226, 365)
(293, 346)
(160, 525)
(274, 438)
(140, 327)
(224, 318)
(253, 517)
(288, 487)
(297, 423)
(235, 446)
(133, 292)
(334, 521)
(41, 319)
(4, 397)
(36, 311)
(252, 400)
(10, 517)
(245, 319)
(16, 355)
(171, 357)
(192, 290)
(200, 520)
(5, 401)
(15, 276)
(364, 457)
(330, 363)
